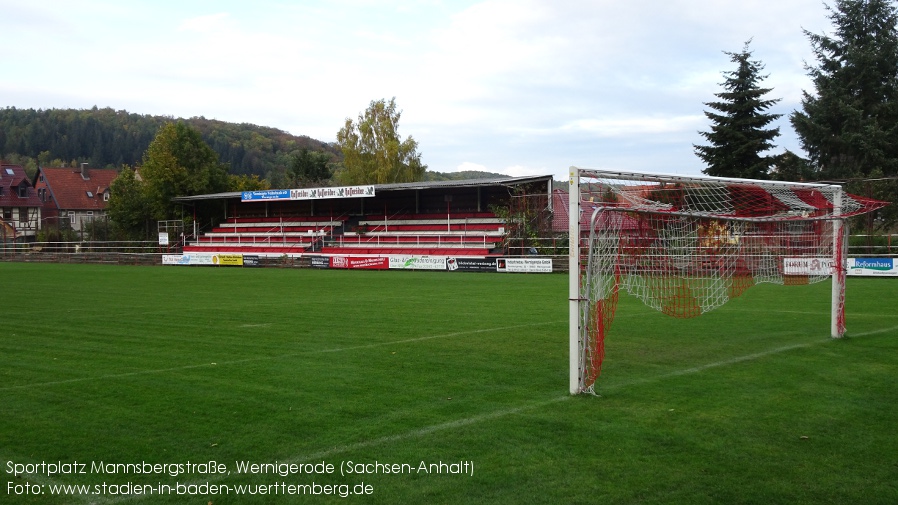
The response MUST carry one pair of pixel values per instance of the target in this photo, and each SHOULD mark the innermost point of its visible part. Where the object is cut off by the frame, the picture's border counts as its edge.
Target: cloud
(507, 86)
(211, 23)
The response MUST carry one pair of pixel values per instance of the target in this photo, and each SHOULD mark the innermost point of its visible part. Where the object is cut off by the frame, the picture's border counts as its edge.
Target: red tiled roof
(9, 188)
(72, 191)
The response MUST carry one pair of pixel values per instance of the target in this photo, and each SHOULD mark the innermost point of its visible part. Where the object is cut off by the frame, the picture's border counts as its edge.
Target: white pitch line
(281, 356)
(873, 332)
(427, 430)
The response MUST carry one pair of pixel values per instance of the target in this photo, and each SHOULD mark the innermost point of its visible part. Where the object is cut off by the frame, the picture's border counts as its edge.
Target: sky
(517, 87)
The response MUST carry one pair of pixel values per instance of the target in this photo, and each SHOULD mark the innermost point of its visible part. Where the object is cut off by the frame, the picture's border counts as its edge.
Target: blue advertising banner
(270, 194)
(872, 266)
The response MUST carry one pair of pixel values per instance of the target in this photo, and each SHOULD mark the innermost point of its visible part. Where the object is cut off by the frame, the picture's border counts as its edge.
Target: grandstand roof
(402, 186)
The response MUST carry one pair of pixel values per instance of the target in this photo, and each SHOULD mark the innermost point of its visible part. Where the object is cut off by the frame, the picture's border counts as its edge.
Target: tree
(849, 127)
(244, 182)
(127, 206)
(179, 163)
(739, 135)
(789, 166)
(373, 151)
(310, 168)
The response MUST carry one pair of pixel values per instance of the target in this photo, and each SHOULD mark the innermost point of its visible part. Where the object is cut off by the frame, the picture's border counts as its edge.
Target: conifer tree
(849, 126)
(739, 136)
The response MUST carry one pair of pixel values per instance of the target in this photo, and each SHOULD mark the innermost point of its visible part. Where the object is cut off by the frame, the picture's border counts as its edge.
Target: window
(7, 214)
(23, 191)
(42, 194)
(106, 196)
(71, 217)
(90, 194)
(10, 172)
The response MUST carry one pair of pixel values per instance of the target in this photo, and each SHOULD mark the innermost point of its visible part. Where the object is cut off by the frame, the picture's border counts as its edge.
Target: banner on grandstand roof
(872, 266)
(307, 193)
(471, 264)
(417, 263)
(353, 262)
(524, 265)
(807, 266)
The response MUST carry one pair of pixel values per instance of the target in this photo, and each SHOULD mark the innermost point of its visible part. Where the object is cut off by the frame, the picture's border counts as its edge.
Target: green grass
(752, 403)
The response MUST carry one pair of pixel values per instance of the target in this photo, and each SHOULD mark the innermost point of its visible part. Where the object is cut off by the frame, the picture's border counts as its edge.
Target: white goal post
(684, 245)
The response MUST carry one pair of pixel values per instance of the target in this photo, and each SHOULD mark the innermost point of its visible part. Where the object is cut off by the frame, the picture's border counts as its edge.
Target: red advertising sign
(360, 263)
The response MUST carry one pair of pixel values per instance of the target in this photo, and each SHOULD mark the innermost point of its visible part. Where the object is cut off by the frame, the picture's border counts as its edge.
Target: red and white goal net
(684, 245)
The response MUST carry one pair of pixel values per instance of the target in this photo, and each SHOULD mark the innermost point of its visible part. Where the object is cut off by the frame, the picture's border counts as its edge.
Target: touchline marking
(281, 356)
(873, 332)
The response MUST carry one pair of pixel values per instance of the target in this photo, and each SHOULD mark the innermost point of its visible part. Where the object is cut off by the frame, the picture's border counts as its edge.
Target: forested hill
(111, 138)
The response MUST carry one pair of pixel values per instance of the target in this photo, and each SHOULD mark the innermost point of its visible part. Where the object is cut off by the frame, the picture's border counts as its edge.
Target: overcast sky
(520, 87)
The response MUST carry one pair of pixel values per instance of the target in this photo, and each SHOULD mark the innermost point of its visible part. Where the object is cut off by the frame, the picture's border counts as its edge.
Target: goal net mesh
(687, 245)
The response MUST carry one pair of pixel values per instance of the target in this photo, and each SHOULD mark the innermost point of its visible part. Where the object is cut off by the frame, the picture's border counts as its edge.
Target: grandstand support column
(837, 317)
(574, 279)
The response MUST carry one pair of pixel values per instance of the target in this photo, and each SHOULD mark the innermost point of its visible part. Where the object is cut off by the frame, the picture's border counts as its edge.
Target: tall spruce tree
(849, 127)
(739, 136)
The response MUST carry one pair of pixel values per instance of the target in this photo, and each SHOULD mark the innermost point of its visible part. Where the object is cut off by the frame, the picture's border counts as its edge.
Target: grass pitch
(377, 373)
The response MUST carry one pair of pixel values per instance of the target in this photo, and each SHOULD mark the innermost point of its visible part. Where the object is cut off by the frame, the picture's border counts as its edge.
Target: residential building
(20, 207)
(74, 196)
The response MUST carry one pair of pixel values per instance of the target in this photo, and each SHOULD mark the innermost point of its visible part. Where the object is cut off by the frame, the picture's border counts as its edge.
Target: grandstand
(438, 218)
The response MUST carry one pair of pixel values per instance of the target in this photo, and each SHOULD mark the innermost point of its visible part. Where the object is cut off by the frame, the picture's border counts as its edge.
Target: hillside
(107, 138)
(460, 176)
(110, 138)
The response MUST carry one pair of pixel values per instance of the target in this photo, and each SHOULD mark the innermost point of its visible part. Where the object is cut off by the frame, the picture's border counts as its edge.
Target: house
(74, 196)
(20, 207)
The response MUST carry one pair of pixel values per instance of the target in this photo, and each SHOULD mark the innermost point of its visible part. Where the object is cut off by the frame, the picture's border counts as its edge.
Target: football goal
(684, 245)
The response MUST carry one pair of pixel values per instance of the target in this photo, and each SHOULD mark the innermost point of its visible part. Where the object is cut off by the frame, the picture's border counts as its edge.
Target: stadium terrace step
(480, 240)
(229, 242)
(236, 249)
(304, 220)
(407, 251)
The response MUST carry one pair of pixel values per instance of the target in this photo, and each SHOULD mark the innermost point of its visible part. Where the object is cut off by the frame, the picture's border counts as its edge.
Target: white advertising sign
(188, 259)
(417, 263)
(525, 265)
(807, 266)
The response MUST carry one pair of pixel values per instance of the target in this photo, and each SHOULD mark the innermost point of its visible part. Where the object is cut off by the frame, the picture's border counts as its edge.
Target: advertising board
(880, 267)
(807, 266)
(471, 264)
(352, 262)
(307, 193)
(320, 261)
(524, 265)
(417, 263)
(187, 259)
